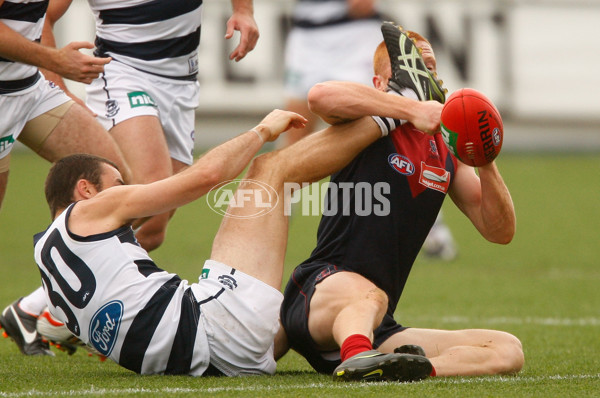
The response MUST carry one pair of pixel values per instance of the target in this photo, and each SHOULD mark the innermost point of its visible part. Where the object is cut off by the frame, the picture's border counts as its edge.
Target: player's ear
(84, 190)
(380, 83)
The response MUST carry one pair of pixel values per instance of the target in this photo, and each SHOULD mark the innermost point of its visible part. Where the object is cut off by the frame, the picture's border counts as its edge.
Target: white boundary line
(587, 321)
(281, 388)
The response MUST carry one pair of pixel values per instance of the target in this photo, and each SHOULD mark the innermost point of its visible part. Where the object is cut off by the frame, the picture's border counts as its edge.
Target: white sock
(35, 302)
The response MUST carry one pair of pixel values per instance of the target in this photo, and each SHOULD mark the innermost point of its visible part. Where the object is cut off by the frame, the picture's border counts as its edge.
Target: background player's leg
(79, 132)
(256, 244)
(142, 142)
(3, 184)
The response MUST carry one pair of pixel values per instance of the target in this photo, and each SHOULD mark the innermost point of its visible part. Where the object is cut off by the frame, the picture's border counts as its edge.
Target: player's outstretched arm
(340, 102)
(120, 205)
(242, 20)
(486, 201)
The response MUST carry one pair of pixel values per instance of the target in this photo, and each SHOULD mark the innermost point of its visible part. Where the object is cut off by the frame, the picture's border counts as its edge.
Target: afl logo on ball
(401, 164)
(497, 136)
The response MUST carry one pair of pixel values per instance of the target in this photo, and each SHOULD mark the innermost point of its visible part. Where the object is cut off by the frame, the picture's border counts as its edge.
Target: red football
(472, 127)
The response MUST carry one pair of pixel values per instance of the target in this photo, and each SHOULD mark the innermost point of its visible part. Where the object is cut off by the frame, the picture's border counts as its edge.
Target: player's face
(428, 55)
(380, 80)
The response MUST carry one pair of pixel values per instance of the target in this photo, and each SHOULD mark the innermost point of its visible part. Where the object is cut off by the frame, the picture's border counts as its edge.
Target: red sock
(432, 372)
(355, 344)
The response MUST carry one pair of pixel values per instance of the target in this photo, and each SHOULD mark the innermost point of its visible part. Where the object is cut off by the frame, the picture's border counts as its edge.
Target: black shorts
(294, 316)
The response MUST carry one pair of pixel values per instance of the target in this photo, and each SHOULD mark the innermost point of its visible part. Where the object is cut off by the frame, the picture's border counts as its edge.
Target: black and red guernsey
(409, 174)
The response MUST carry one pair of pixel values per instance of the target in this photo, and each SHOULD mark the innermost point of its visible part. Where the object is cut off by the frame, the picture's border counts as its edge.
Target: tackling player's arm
(122, 204)
(486, 201)
(340, 102)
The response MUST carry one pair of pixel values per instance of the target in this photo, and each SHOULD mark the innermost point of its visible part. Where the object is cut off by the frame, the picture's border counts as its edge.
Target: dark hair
(64, 174)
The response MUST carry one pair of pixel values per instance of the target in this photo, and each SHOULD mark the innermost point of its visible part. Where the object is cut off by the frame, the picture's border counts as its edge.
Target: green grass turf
(544, 287)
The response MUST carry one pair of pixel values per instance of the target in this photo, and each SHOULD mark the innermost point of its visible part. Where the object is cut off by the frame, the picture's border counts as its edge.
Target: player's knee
(265, 167)
(376, 299)
(511, 354)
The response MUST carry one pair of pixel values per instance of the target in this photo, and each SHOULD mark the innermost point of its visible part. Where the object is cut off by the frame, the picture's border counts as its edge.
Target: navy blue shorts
(294, 316)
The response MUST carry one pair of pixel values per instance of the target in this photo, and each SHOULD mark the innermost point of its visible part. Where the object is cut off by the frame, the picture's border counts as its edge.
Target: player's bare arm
(340, 102)
(122, 204)
(242, 20)
(74, 65)
(486, 201)
(67, 62)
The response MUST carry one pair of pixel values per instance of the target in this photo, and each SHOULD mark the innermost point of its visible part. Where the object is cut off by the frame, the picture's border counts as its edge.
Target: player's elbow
(503, 235)
(212, 175)
(503, 240)
(320, 99)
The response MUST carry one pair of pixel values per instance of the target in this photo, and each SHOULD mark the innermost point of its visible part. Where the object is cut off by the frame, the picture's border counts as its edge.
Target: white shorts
(240, 315)
(123, 92)
(18, 109)
(333, 52)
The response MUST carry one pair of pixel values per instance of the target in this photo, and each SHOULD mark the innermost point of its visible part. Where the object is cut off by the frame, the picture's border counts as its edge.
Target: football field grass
(544, 288)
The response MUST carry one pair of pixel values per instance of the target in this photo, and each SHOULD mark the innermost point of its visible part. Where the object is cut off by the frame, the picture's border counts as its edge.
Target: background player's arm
(486, 201)
(120, 205)
(16, 47)
(56, 9)
(339, 102)
(71, 63)
(67, 61)
(242, 20)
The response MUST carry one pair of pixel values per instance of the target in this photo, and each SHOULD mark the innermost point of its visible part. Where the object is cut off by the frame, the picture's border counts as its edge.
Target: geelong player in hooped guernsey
(134, 314)
(156, 36)
(109, 293)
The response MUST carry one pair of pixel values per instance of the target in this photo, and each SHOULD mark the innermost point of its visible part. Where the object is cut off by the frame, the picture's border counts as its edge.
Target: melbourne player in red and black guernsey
(381, 243)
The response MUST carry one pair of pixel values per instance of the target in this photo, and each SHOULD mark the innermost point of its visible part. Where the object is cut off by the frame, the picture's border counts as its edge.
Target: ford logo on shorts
(104, 327)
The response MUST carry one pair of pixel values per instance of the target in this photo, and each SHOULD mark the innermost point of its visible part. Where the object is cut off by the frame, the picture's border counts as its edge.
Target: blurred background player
(39, 114)
(146, 96)
(334, 40)
(328, 40)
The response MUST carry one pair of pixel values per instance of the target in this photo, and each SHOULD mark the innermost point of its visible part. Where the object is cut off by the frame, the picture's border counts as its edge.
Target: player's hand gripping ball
(472, 127)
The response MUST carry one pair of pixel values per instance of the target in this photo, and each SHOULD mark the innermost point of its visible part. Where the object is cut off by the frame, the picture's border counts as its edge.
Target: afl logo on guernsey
(104, 327)
(401, 164)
